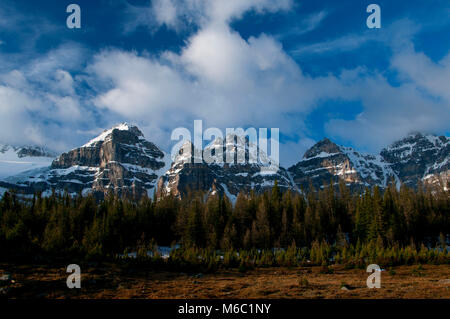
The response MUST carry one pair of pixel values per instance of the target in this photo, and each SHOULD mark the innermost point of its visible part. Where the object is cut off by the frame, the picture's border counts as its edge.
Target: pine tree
(261, 236)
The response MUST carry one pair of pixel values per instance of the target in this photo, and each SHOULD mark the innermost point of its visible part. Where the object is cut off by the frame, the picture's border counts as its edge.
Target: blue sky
(311, 68)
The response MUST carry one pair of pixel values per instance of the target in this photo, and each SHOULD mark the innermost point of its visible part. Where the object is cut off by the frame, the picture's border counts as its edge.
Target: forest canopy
(332, 222)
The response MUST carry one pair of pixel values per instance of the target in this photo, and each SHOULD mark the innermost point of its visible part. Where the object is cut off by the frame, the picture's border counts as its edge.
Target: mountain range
(121, 161)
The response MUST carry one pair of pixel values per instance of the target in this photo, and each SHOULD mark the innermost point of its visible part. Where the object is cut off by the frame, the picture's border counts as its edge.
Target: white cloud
(140, 86)
(345, 43)
(417, 68)
(420, 102)
(65, 108)
(39, 101)
(222, 11)
(176, 14)
(391, 112)
(64, 82)
(222, 78)
(292, 152)
(165, 12)
(229, 82)
(15, 119)
(306, 25)
(397, 36)
(218, 77)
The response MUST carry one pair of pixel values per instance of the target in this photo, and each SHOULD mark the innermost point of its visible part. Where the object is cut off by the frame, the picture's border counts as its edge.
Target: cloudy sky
(311, 68)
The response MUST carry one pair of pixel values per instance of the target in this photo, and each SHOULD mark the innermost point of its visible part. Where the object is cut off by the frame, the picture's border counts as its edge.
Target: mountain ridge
(121, 161)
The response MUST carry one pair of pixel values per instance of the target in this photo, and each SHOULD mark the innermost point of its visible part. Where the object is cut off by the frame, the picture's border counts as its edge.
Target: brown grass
(113, 281)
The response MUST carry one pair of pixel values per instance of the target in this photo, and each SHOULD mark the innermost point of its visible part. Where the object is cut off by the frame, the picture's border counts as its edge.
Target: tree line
(332, 224)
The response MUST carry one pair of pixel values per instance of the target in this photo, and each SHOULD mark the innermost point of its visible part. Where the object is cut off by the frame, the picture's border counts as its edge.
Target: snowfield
(11, 164)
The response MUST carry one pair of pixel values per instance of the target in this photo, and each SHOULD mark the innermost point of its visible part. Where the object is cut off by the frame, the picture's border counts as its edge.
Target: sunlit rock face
(327, 162)
(420, 157)
(121, 161)
(248, 170)
(118, 161)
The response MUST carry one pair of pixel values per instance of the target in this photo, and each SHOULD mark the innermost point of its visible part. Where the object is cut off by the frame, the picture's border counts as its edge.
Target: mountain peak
(121, 161)
(323, 147)
(417, 140)
(124, 126)
(418, 156)
(118, 161)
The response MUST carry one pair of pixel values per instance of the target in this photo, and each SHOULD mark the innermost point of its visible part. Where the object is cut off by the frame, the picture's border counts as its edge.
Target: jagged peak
(230, 139)
(124, 126)
(412, 138)
(233, 142)
(418, 134)
(322, 148)
(253, 154)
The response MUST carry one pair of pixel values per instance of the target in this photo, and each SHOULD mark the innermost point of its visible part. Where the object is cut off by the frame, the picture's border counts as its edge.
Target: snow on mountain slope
(15, 160)
(121, 161)
(420, 157)
(327, 161)
(417, 157)
(246, 169)
(107, 134)
(118, 161)
(372, 168)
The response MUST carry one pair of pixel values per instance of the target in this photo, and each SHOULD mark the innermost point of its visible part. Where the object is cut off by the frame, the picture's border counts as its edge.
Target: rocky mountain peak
(326, 161)
(237, 149)
(415, 143)
(418, 157)
(119, 161)
(322, 148)
(123, 130)
(215, 175)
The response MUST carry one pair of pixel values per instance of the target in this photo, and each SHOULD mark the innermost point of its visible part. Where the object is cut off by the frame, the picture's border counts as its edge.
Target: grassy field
(121, 281)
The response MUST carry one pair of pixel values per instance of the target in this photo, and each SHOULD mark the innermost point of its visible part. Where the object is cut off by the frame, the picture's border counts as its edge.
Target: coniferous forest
(331, 225)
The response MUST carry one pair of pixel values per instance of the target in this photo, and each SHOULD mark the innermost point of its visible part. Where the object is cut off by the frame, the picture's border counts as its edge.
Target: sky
(313, 69)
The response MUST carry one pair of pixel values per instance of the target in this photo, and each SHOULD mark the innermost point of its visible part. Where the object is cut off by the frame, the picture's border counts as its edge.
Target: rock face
(327, 162)
(420, 157)
(416, 158)
(118, 161)
(245, 172)
(122, 162)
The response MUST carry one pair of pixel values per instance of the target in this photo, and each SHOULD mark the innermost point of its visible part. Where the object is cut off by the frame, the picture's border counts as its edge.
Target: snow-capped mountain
(248, 169)
(327, 161)
(416, 158)
(121, 161)
(420, 157)
(118, 161)
(17, 159)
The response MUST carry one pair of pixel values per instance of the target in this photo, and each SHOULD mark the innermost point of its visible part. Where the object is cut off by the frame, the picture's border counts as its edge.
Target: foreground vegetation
(332, 225)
